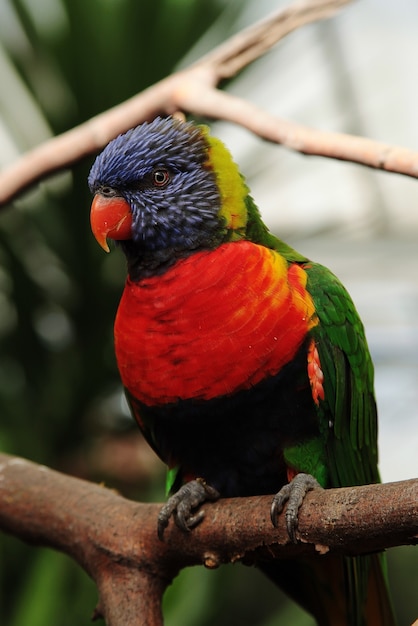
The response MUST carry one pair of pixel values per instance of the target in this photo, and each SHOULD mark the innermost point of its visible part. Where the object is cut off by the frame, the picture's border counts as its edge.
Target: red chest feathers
(214, 323)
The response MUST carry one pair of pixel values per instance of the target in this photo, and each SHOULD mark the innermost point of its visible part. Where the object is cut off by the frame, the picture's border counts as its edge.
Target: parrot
(244, 363)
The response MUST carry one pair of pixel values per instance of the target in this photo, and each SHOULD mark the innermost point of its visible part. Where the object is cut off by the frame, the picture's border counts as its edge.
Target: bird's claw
(181, 505)
(293, 493)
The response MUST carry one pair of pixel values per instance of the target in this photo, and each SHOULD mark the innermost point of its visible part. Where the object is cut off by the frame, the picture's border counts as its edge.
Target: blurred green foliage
(61, 62)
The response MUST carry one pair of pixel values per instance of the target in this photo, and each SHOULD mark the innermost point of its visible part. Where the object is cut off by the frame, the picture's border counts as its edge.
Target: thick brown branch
(115, 540)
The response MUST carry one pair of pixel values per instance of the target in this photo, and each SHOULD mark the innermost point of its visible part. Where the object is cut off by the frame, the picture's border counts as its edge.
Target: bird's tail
(378, 603)
(337, 591)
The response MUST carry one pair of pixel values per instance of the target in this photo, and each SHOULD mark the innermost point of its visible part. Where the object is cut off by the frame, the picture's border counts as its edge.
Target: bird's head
(165, 189)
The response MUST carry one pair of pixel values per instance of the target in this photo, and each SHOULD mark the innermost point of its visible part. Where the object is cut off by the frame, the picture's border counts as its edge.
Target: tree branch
(375, 154)
(115, 540)
(193, 90)
(228, 59)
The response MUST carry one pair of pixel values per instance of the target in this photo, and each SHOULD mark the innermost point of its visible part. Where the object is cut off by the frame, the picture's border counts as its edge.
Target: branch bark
(194, 90)
(115, 540)
(228, 59)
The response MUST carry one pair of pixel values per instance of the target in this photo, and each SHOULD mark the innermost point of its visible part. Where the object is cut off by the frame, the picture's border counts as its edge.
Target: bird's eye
(160, 177)
(108, 192)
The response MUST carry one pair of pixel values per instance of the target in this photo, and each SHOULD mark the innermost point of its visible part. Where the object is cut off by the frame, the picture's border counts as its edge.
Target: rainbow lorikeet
(244, 363)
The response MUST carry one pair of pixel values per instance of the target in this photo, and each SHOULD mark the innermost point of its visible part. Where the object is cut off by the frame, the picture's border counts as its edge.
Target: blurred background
(63, 61)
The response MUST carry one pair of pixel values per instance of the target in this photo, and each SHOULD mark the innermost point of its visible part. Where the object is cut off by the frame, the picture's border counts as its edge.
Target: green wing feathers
(349, 422)
(348, 412)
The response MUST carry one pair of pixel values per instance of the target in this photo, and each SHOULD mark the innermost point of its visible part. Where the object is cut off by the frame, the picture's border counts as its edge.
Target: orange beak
(110, 218)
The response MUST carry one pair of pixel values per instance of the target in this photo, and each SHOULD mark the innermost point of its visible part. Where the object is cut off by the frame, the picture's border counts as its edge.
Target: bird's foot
(181, 505)
(293, 493)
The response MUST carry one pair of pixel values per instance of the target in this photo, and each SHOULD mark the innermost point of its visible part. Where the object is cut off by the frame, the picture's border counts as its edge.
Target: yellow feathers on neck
(232, 187)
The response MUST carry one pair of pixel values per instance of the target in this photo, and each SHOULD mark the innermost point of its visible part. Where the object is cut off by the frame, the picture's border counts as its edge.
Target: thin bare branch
(250, 44)
(161, 99)
(375, 154)
(194, 91)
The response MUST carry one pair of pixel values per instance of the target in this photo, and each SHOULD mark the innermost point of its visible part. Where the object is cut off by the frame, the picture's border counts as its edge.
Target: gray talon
(181, 504)
(294, 494)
